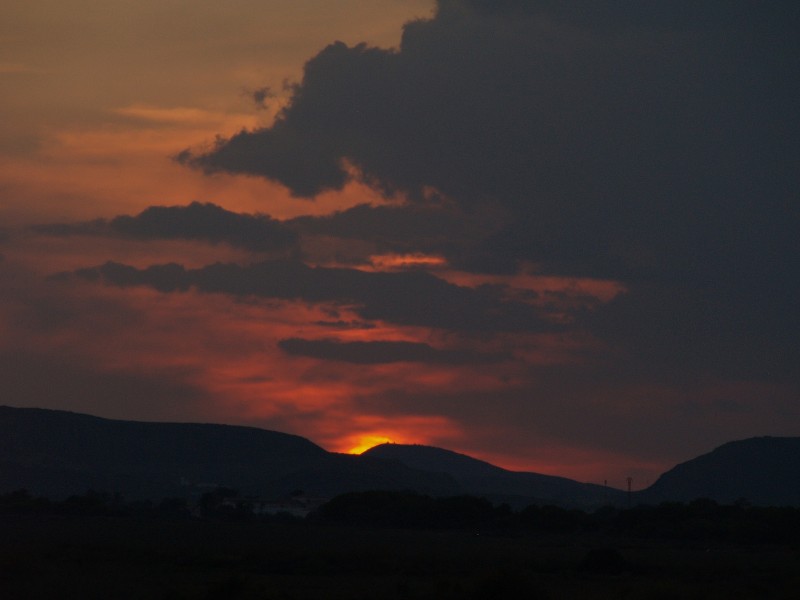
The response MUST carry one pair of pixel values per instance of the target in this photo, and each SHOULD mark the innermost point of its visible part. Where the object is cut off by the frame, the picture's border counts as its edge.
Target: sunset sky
(560, 236)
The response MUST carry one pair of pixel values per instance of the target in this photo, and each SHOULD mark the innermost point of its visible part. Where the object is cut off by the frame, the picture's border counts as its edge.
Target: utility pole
(630, 498)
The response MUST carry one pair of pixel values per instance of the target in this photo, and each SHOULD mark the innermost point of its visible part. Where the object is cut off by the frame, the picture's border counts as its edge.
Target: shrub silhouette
(411, 510)
(21, 502)
(603, 560)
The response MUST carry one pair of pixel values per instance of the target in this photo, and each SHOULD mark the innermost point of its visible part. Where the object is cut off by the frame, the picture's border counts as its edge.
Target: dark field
(59, 556)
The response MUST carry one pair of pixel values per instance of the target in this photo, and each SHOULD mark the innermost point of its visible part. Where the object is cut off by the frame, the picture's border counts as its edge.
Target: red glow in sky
(490, 229)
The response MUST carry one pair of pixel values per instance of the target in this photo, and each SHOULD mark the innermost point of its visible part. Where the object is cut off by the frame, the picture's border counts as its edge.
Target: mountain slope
(764, 470)
(483, 479)
(57, 453)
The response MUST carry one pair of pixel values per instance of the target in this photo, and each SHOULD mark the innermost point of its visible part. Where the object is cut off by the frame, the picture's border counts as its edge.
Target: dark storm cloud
(732, 334)
(382, 352)
(655, 143)
(261, 95)
(401, 227)
(5, 236)
(404, 228)
(407, 298)
(303, 163)
(201, 222)
(650, 13)
(618, 136)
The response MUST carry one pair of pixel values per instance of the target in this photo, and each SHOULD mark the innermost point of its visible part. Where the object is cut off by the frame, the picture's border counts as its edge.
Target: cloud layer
(652, 143)
(407, 298)
(561, 230)
(203, 222)
(634, 141)
(383, 352)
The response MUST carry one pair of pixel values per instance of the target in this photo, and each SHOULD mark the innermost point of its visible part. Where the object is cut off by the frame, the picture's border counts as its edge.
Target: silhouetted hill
(480, 478)
(57, 453)
(764, 471)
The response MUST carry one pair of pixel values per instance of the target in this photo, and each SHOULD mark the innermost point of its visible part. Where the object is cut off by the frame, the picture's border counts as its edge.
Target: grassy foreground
(68, 556)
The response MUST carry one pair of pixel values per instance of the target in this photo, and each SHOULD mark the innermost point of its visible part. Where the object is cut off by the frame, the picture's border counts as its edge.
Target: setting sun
(365, 442)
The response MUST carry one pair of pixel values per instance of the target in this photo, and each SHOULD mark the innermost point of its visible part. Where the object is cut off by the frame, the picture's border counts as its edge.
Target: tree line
(701, 519)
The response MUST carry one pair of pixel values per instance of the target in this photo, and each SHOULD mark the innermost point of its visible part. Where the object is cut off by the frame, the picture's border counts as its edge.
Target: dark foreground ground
(58, 556)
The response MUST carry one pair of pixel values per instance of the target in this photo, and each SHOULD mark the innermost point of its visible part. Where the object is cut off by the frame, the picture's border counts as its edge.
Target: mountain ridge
(59, 453)
(761, 470)
(481, 478)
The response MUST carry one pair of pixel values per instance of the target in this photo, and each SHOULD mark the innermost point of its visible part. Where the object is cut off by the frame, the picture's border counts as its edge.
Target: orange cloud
(386, 262)
(124, 164)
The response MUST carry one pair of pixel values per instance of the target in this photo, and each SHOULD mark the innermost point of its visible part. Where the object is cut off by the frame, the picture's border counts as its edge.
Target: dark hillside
(56, 453)
(480, 478)
(764, 471)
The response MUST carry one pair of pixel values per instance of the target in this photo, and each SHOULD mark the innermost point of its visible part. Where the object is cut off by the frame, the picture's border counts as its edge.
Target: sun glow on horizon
(368, 431)
(365, 442)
